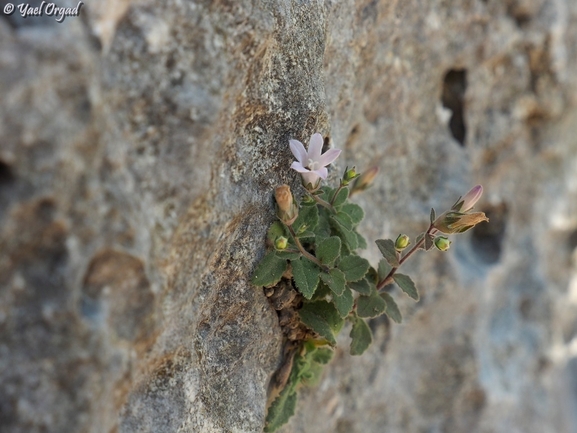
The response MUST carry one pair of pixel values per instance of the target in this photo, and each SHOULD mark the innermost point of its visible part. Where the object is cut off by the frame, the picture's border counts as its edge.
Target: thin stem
(389, 278)
(323, 203)
(341, 186)
(305, 252)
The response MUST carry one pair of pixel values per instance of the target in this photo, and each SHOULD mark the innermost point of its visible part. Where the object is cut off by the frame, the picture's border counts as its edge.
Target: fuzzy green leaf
(429, 242)
(306, 276)
(307, 220)
(323, 318)
(354, 211)
(391, 310)
(341, 197)
(342, 227)
(384, 269)
(344, 303)
(335, 279)
(362, 286)
(329, 250)
(432, 216)
(370, 306)
(361, 336)
(419, 239)
(354, 267)
(361, 241)
(275, 230)
(323, 228)
(322, 291)
(287, 255)
(306, 234)
(323, 355)
(281, 409)
(387, 248)
(269, 271)
(406, 285)
(344, 219)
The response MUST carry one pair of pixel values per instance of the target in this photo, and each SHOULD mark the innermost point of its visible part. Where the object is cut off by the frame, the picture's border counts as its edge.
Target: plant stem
(389, 278)
(341, 186)
(323, 203)
(305, 252)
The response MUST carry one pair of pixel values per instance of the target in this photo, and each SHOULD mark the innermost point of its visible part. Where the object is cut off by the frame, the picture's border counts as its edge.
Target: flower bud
(466, 203)
(457, 222)
(402, 242)
(365, 180)
(287, 208)
(281, 243)
(349, 175)
(442, 243)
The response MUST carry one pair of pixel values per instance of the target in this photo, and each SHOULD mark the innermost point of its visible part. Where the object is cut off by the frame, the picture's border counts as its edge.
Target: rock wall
(141, 140)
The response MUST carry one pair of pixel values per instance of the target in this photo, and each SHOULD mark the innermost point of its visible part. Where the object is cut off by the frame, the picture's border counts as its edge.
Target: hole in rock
(487, 238)
(572, 241)
(6, 174)
(454, 87)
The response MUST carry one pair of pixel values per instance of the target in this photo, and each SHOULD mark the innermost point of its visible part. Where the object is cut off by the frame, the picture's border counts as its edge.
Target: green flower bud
(402, 242)
(365, 180)
(442, 243)
(349, 175)
(281, 243)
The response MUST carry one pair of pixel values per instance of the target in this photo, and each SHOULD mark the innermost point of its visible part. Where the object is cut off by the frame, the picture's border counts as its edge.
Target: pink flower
(312, 165)
(467, 202)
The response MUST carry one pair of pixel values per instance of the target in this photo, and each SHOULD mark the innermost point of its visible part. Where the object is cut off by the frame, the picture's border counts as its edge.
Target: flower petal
(315, 146)
(329, 156)
(298, 150)
(310, 177)
(321, 172)
(299, 167)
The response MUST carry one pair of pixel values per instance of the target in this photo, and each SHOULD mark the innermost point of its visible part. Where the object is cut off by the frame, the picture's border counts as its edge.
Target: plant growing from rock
(315, 279)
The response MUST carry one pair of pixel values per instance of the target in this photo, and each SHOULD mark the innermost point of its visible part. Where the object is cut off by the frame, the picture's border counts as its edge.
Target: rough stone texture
(139, 146)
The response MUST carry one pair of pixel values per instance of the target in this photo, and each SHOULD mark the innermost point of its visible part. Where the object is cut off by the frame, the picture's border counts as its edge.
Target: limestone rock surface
(139, 146)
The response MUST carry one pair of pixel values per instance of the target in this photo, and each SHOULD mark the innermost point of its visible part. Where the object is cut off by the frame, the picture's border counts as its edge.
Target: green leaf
(391, 310)
(429, 242)
(344, 303)
(339, 223)
(287, 255)
(432, 216)
(354, 211)
(329, 250)
(361, 336)
(306, 234)
(362, 242)
(344, 219)
(322, 291)
(306, 276)
(275, 230)
(384, 269)
(341, 197)
(307, 220)
(419, 239)
(335, 279)
(370, 306)
(325, 192)
(323, 318)
(281, 409)
(323, 228)
(361, 286)
(323, 355)
(387, 248)
(354, 267)
(406, 285)
(269, 271)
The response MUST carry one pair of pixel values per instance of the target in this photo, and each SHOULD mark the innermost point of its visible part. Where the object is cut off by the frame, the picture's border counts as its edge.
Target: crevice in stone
(454, 87)
(487, 238)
